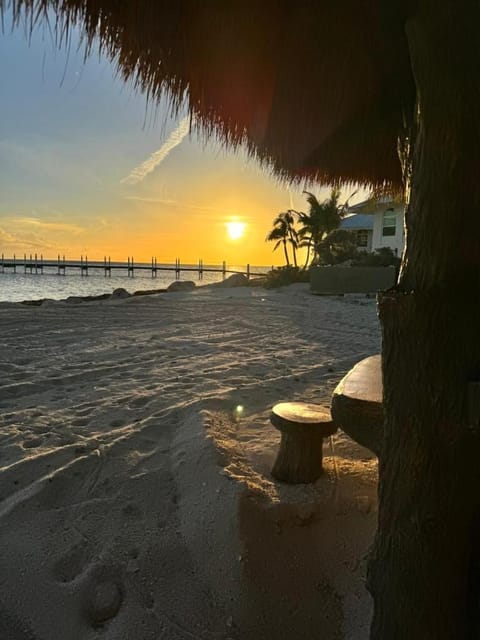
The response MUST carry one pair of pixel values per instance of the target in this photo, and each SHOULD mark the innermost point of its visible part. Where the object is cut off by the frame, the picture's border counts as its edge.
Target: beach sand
(136, 498)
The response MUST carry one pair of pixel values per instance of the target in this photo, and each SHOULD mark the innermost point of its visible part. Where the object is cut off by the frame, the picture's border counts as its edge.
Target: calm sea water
(15, 287)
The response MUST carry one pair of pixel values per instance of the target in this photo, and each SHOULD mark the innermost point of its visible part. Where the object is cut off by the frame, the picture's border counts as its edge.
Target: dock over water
(36, 264)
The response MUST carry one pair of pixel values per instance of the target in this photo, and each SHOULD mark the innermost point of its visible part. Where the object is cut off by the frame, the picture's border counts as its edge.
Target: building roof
(376, 205)
(357, 221)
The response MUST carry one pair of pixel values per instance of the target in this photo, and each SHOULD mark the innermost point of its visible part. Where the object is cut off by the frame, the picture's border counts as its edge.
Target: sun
(235, 230)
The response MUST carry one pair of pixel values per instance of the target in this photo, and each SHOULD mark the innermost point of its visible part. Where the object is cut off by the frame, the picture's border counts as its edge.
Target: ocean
(19, 286)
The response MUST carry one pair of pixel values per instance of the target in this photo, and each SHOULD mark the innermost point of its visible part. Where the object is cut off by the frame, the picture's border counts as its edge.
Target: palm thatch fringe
(318, 90)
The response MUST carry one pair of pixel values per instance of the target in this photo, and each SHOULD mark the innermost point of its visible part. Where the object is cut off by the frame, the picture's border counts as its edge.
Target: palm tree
(284, 232)
(322, 218)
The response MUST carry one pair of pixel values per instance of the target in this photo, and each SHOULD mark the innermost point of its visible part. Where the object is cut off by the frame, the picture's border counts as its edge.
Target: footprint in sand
(85, 411)
(80, 422)
(41, 429)
(31, 443)
(105, 601)
(72, 564)
(131, 510)
(141, 401)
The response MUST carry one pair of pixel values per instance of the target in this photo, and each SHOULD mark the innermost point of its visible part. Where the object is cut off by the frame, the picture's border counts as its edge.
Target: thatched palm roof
(317, 88)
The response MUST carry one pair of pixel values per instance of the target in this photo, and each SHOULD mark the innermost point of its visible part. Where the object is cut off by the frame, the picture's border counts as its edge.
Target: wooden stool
(303, 427)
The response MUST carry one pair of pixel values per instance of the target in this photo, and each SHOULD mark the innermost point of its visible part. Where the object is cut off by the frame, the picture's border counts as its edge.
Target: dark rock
(148, 292)
(120, 293)
(32, 303)
(181, 285)
(235, 280)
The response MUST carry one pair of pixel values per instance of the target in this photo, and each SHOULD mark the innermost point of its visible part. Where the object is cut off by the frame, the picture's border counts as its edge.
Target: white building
(377, 224)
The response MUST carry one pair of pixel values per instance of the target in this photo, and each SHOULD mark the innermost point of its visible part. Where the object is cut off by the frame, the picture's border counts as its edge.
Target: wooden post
(303, 427)
(64, 265)
(86, 265)
(224, 269)
(14, 264)
(248, 272)
(41, 263)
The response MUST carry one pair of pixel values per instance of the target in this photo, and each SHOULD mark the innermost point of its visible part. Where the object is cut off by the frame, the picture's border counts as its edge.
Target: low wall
(336, 280)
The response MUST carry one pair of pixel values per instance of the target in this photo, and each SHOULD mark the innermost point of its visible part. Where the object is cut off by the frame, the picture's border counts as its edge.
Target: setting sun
(235, 230)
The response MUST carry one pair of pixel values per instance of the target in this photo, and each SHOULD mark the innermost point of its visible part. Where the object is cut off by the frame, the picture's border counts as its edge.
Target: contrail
(139, 173)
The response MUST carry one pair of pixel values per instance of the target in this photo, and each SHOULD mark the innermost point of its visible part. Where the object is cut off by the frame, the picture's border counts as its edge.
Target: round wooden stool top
(288, 416)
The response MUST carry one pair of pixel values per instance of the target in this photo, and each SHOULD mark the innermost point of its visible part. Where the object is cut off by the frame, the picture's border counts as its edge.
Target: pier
(35, 264)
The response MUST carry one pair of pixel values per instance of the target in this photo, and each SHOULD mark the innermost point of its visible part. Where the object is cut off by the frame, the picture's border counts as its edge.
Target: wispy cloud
(171, 202)
(49, 226)
(6, 237)
(150, 164)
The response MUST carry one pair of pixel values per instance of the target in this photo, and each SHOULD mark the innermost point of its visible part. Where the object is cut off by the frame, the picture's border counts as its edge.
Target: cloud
(150, 164)
(6, 237)
(22, 242)
(49, 226)
(171, 202)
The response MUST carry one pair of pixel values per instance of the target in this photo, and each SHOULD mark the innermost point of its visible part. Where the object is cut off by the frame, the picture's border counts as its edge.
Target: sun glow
(235, 230)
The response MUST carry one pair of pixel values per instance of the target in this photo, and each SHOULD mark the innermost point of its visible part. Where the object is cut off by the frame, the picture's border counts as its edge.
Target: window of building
(362, 238)
(389, 223)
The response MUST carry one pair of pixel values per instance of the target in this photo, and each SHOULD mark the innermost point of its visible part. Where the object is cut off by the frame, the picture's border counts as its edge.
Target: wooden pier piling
(107, 267)
(84, 266)
(154, 267)
(130, 267)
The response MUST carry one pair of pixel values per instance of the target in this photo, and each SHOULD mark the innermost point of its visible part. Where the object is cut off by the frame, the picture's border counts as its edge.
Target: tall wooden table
(357, 404)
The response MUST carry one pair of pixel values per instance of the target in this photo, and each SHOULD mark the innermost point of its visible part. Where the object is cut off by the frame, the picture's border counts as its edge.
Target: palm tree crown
(284, 232)
(322, 218)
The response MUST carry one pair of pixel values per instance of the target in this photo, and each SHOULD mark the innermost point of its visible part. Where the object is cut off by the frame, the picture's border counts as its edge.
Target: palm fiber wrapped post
(303, 427)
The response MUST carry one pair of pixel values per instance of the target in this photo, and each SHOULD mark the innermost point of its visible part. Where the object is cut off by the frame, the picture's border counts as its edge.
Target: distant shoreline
(255, 281)
(33, 288)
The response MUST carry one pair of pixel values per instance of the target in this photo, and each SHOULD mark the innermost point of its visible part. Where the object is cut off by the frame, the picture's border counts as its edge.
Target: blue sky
(71, 134)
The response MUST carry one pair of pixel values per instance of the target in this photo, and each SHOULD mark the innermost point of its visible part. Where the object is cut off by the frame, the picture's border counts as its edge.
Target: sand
(136, 500)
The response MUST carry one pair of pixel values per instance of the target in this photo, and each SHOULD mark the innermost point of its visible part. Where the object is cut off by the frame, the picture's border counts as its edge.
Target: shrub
(337, 247)
(383, 257)
(283, 276)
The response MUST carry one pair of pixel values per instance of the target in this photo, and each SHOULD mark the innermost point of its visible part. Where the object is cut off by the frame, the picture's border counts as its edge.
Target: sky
(87, 167)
